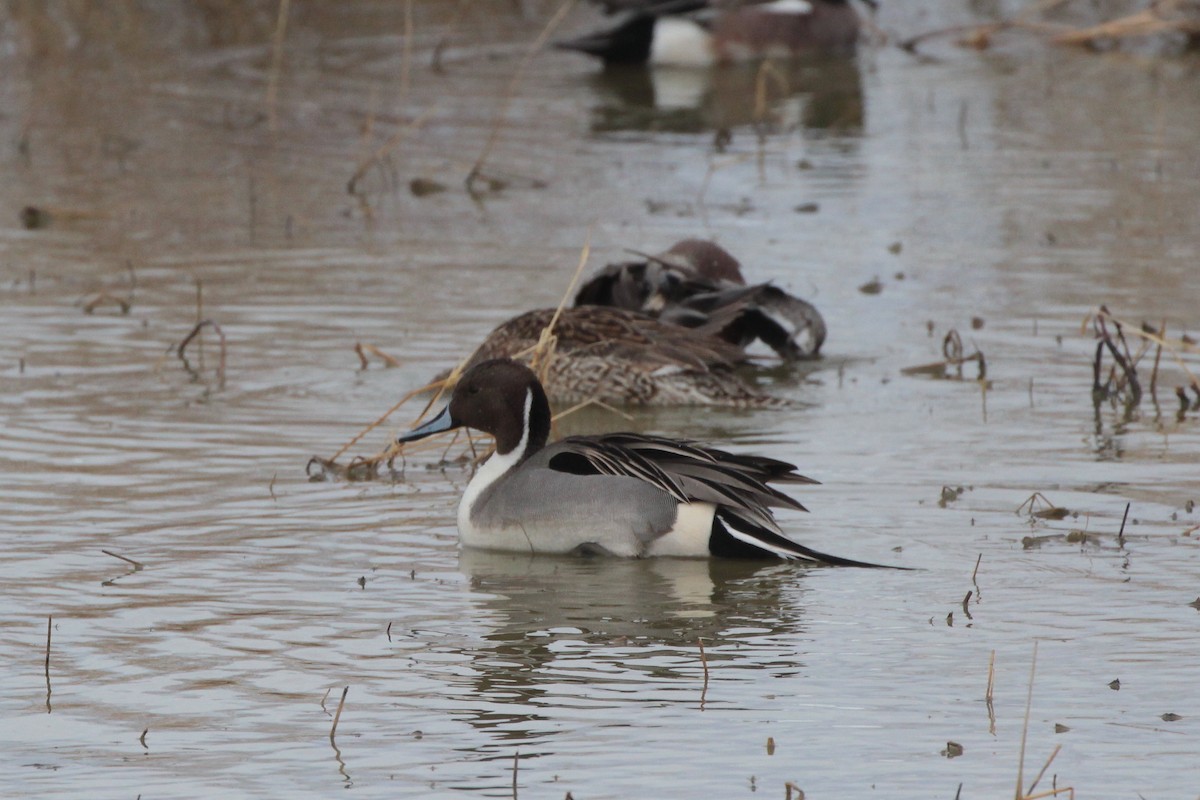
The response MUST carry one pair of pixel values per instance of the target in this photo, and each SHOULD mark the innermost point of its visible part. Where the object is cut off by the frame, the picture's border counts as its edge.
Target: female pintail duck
(694, 34)
(697, 283)
(621, 494)
(624, 357)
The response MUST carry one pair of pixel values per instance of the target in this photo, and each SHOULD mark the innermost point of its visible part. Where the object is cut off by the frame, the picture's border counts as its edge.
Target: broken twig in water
(952, 351)
(362, 350)
(137, 565)
(179, 351)
(1050, 511)
(49, 628)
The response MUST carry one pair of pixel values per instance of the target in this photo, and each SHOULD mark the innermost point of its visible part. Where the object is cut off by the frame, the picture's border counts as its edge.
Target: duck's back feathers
(697, 284)
(624, 357)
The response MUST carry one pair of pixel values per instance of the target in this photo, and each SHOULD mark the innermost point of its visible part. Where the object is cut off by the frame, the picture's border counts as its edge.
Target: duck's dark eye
(473, 389)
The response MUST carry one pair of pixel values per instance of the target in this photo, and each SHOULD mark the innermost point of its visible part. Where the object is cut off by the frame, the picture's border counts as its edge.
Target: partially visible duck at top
(698, 284)
(691, 33)
(624, 357)
(618, 494)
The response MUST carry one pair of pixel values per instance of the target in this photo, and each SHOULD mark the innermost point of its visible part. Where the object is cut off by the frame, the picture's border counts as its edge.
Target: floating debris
(1040, 507)
(951, 367)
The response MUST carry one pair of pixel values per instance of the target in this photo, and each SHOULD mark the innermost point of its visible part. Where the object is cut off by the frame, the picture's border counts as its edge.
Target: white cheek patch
(787, 7)
(680, 43)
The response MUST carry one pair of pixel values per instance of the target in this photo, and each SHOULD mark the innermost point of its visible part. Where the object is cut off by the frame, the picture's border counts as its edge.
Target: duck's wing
(737, 484)
(791, 327)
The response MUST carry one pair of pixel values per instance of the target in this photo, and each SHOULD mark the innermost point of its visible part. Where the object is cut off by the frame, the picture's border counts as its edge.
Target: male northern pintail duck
(697, 283)
(624, 357)
(621, 494)
(694, 34)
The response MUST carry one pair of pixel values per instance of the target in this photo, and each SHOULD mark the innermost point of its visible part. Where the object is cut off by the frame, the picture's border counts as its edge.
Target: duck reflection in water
(817, 94)
(612, 633)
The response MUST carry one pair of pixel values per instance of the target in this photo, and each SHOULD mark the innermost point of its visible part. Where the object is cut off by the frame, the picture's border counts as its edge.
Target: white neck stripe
(492, 470)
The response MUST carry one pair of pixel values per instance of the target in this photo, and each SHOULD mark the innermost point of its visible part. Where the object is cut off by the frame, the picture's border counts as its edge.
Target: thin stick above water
(337, 716)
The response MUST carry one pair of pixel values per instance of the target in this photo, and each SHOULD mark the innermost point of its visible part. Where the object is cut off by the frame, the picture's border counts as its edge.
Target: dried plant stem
(1174, 346)
(384, 149)
(338, 716)
(406, 53)
(1157, 357)
(1121, 532)
(704, 665)
(137, 566)
(49, 628)
(1045, 767)
(543, 351)
(592, 402)
(511, 91)
(1025, 729)
(988, 697)
(276, 63)
(220, 338)
(383, 418)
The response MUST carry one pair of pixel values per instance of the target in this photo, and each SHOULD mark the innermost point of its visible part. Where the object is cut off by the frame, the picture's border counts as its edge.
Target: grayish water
(1025, 185)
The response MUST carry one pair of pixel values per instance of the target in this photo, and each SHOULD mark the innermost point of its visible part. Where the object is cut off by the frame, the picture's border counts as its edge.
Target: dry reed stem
(511, 90)
(983, 33)
(766, 70)
(1045, 767)
(1067, 790)
(1157, 357)
(588, 403)
(49, 628)
(363, 349)
(435, 63)
(543, 351)
(276, 64)
(384, 149)
(541, 356)
(975, 571)
(988, 697)
(1174, 346)
(137, 566)
(516, 764)
(1025, 728)
(1143, 23)
(337, 717)
(388, 413)
(406, 53)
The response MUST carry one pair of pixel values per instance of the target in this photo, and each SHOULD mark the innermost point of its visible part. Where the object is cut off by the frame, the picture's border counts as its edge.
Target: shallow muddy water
(1022, 185)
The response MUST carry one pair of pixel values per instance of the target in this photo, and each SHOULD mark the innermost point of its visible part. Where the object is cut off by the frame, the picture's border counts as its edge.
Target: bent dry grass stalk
(1126, 360)
(1162, 17)
(510, 92)
(540, 355)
